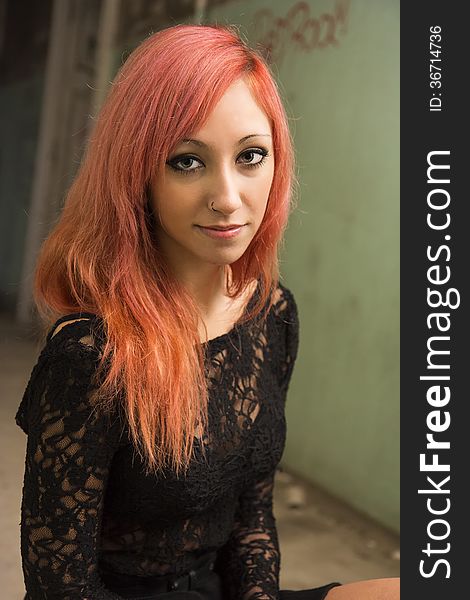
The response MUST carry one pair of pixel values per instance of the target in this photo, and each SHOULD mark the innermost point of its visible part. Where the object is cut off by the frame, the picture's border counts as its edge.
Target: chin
(225, 259)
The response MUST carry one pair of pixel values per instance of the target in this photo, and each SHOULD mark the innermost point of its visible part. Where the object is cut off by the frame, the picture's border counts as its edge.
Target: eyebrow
(243, 139)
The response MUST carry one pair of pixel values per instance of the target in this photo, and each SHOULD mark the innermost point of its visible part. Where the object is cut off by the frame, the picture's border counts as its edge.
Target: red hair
(102, 257)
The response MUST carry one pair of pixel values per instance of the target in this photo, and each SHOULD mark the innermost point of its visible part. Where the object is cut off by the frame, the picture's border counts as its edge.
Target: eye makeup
(173, 162)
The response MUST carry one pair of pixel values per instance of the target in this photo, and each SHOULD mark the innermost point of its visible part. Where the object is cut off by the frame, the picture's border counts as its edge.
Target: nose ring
(212, 205)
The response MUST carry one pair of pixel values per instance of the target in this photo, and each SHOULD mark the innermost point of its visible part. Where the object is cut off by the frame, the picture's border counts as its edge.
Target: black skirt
(202, 583)
(211, 590)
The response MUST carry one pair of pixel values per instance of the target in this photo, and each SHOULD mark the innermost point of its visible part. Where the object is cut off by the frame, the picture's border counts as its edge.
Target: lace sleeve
(251, 558)
(69, 451)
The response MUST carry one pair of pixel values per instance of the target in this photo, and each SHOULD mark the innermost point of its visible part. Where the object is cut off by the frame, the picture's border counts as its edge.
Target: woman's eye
(185, 164)
(253, 158)
(190, 164)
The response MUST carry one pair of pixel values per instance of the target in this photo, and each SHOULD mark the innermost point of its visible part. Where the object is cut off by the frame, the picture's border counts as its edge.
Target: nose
(224, 195)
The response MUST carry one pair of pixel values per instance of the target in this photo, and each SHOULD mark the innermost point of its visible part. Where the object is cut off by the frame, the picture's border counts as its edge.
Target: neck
(207, 285)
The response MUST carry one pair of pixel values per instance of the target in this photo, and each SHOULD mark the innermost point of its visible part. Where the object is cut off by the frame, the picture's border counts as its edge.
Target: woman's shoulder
(74, 341)
(75, 331)
(64, 369)
(284, 304)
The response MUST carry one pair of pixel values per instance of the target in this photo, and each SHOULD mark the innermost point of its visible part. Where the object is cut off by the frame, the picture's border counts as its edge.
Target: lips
(225, 233)
(219, 228)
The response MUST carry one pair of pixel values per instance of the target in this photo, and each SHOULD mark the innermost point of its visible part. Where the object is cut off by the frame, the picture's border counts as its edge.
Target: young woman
(155, 412)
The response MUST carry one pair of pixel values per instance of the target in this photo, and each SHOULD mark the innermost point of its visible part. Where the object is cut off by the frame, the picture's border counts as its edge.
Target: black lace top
(86, 501)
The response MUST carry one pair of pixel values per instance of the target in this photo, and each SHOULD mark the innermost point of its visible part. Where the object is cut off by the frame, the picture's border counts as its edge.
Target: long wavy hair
(101, 255)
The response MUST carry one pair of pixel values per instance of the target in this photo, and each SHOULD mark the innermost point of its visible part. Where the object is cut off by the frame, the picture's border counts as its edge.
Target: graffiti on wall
(299, 29)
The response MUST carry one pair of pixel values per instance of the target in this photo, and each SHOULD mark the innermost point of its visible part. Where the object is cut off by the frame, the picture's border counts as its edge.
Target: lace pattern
(87, 502)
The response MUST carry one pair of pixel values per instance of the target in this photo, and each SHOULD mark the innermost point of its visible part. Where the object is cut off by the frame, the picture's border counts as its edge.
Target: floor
(321, 539)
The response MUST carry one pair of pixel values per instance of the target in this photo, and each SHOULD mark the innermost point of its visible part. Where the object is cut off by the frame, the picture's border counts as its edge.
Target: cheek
(263, 190)
(170, 201)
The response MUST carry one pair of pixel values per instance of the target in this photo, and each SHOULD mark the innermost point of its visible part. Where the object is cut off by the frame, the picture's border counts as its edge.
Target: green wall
(341, 257)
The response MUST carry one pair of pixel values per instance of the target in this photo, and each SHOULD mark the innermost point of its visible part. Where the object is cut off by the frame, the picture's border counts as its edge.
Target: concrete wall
(340, 77)
(25, 28)
(21, 102)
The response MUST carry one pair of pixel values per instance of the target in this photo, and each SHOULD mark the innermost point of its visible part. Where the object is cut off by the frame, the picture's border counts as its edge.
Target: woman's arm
(69, 450)
(250, 560)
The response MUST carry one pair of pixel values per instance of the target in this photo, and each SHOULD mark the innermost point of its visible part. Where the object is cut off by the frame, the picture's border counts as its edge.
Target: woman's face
(228, 165)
